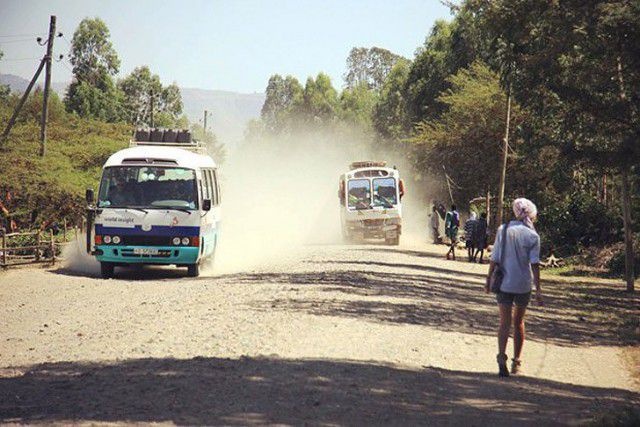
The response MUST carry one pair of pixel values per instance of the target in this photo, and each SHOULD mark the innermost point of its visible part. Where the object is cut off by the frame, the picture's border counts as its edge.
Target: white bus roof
(390, 171)
(167, 156)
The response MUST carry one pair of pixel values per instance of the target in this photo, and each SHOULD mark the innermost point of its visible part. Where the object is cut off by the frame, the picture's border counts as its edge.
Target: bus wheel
(193, 270)
(394, 241)
(106, 270)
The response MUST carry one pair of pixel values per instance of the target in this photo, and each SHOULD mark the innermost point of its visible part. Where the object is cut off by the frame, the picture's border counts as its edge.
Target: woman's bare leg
(505, 327)
(518, 333)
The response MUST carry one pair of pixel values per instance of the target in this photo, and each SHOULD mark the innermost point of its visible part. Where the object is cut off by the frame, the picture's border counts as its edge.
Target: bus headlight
(185, 241)
(176, 241)
(116, 240)
(106, 239)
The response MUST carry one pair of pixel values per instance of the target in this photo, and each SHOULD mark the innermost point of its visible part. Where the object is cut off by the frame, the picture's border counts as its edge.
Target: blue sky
(224, 45)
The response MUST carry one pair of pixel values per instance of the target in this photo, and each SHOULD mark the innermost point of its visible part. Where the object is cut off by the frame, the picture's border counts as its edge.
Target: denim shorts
(521, 300)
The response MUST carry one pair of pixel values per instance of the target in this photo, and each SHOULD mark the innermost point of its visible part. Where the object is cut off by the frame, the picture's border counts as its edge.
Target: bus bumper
(154, 254)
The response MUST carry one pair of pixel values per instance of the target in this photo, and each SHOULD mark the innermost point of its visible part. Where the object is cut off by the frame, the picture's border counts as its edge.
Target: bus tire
(106, 270)
(193, 270)
(395, 241)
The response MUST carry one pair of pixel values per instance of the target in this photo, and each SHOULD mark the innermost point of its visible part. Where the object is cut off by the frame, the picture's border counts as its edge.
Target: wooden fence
(40, 247)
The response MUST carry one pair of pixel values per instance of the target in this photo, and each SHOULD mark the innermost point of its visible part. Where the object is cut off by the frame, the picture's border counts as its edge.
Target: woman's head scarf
(525, 211)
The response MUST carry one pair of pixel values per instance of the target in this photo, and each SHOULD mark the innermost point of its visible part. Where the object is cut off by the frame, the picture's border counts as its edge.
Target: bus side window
(205, 185)
(212, 193)
(216, 188)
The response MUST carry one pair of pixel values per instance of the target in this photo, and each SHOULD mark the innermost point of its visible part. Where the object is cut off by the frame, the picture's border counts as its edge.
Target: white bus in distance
(370, 202)
(158, 203)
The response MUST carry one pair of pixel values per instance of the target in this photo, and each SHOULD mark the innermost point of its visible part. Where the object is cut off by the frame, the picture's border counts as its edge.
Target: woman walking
(516, 253)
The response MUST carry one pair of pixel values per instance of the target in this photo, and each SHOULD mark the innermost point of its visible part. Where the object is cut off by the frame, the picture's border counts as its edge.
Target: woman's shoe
(516, 364)
(502, 365)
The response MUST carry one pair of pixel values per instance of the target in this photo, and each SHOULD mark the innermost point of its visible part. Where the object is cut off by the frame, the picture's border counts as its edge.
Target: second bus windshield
(384, 193)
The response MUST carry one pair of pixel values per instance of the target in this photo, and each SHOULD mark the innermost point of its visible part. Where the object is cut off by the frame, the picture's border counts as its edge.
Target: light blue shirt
(521, 250)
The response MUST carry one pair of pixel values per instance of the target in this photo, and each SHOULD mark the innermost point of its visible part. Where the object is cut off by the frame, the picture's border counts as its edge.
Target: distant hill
(229, 111)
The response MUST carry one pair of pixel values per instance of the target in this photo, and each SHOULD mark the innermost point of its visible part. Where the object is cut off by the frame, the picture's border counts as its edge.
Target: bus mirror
(89, 195)
(206, 205)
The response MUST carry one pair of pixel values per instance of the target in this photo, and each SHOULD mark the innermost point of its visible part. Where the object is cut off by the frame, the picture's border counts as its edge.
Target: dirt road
(333, 335)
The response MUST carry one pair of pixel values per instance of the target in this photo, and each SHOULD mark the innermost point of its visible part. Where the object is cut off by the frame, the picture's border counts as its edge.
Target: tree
(281, 95)
(319, 104)
(356, 106)
(390, 118)
(5, 90)
(93, 92)
(369, 67)
(578, 68)
(465, 138)
(141, 90)
(215, 148)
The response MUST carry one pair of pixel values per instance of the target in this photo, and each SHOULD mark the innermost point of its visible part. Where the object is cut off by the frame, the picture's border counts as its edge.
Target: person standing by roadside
(480, 237)
(469, 229)
(435, 225)
(518, 257)
(451, 224)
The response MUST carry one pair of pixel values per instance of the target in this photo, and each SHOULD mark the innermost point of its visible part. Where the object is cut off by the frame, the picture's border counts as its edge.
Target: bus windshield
(148, 187)
(359, 193)
(384, 192)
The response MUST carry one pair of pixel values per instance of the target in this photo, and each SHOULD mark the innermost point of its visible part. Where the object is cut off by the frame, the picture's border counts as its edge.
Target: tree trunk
(503, 172)
(629, 274)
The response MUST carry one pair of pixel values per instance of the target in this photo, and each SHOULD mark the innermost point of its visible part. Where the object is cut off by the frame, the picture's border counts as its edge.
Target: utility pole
(47, 85)
(206, 113)
(13, 118)
(505, 151)
(151, 114)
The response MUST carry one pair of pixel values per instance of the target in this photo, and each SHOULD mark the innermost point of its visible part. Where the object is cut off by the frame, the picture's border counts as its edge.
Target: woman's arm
(487, 285)
(535, 268)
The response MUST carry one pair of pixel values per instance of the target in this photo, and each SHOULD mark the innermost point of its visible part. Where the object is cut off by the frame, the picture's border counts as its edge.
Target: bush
(575, 222)
(616, 264)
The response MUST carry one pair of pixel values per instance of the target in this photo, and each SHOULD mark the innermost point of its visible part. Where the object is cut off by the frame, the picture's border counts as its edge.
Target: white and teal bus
(158, 203)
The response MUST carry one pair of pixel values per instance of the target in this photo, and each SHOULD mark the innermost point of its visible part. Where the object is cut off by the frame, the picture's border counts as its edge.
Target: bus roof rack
(160, 137)
(367, 164)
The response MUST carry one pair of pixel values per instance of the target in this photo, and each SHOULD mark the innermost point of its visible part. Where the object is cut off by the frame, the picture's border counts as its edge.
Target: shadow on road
(574, 313)
(266, 390)
(134, 272)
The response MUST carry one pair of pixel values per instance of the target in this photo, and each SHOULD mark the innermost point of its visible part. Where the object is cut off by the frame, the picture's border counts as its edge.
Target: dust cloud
(76, 258)
(277, 198)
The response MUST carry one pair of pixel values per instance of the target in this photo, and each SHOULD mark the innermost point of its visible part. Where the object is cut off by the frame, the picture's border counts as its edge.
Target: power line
(20, 35)
(19, 59)
(30, 39)
(66, 40)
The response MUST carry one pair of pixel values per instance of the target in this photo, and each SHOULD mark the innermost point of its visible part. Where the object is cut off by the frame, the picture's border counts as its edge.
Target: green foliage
(93, 93)
(320, 105)
(580, 73)
(356, 106)
(369, 67)
(92, 102)
(52, 188)
(577, 220)
(466, 138)
(281, 95)
(389, 117)
(140, 90)
(215, 148)
(616, 264)
(4, 89)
